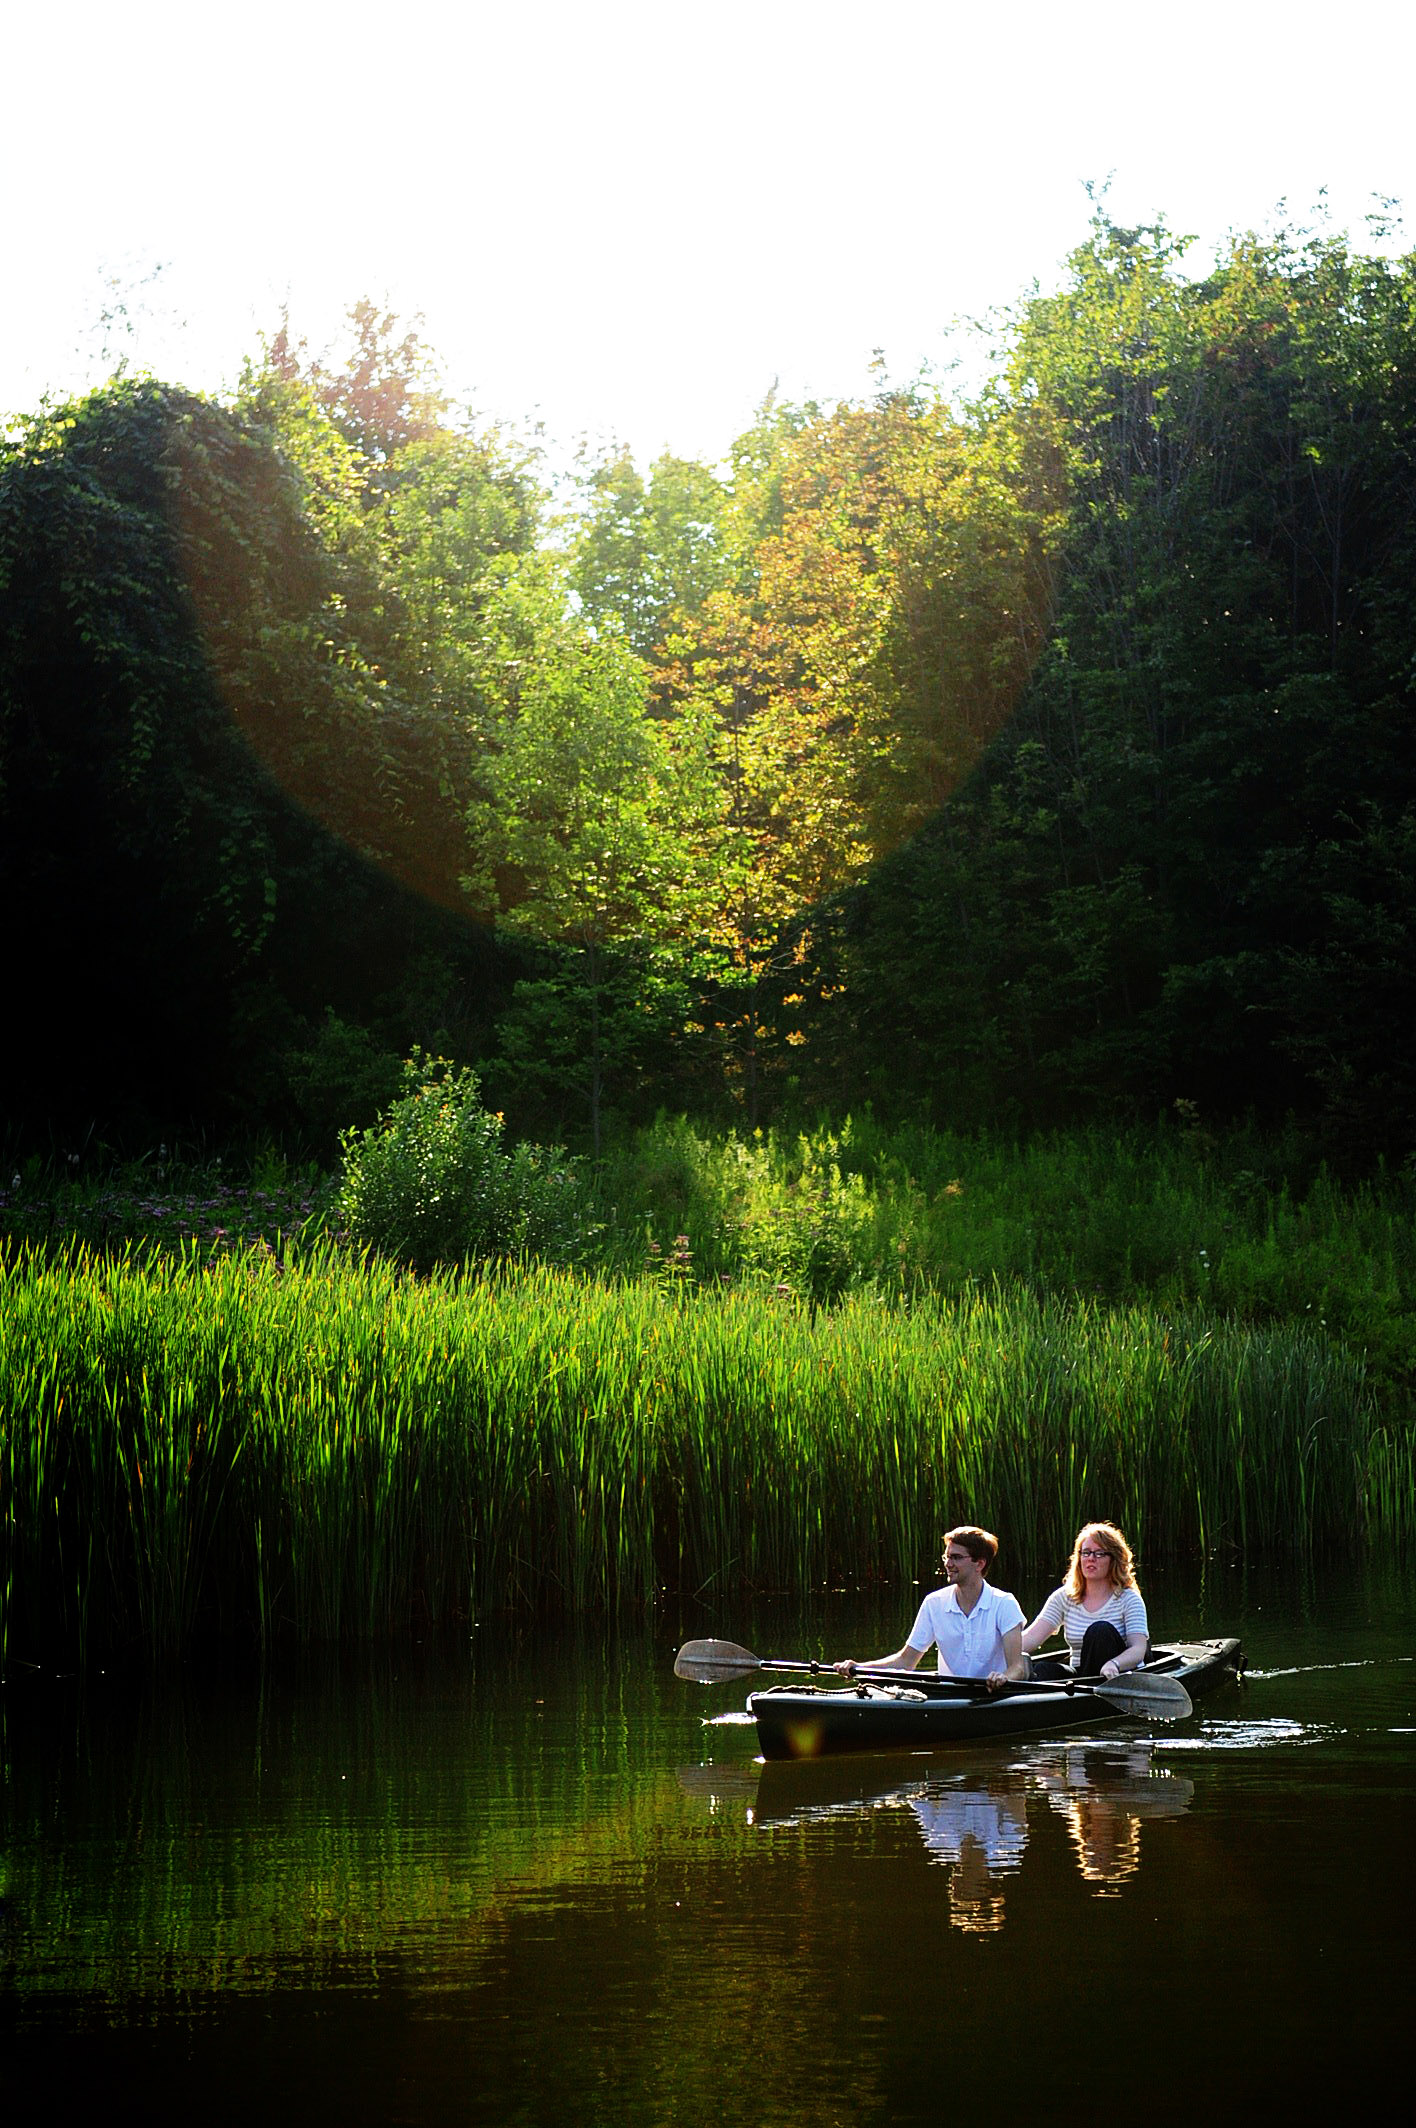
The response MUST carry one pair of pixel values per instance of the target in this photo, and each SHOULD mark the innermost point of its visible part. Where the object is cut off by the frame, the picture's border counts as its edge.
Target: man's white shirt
(970, 1643)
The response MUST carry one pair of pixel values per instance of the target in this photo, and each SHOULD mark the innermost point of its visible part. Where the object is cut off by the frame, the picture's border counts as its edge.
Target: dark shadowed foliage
(203, 775)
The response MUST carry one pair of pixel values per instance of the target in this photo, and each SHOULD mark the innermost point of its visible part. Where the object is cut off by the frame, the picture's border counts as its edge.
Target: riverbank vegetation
(1248, 1227)
(920, 919)
(313, 1447)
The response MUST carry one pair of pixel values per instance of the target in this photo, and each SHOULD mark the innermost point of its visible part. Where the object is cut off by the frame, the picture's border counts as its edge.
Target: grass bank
(1248, 1227)
(319, 1448)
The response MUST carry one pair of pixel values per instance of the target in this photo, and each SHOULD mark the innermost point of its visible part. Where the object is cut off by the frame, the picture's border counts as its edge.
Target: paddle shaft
(708, 1661)
(875, 1674)
(941, 1680)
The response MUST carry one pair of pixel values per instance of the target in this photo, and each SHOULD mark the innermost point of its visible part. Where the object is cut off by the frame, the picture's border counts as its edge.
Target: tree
(421, 533)
(1191, 827)
(882, 623)
(215, 802)
(383, 397)
(588, 831)
(165, 612)
(645, 554)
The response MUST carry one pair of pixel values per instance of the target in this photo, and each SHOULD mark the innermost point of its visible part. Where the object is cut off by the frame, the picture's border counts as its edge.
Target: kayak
(925, 1712)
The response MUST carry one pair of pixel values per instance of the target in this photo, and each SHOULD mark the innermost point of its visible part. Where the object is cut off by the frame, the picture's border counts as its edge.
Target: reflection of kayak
(791, 1792)
(1140, 1796)
(972, 1808)
(924, 1712)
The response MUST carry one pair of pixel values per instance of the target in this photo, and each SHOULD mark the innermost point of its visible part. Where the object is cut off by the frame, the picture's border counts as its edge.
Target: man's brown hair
(980, 1544)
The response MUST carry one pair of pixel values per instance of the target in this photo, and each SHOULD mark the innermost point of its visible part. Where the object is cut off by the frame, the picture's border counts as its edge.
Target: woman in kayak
(1098, 1609)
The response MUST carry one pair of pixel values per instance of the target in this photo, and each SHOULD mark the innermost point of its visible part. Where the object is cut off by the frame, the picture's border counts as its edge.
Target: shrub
(431, 1182)
(343, 1079)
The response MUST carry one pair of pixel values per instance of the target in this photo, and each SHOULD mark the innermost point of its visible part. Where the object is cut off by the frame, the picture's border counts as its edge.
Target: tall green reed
(327, 1449)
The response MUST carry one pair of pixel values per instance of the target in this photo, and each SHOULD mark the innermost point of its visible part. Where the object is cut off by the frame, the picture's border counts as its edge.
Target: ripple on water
(1256, 1735)
(1366, 1662)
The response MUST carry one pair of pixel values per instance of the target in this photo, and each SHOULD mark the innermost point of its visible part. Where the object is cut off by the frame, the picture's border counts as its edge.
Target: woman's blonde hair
(1108, 1539)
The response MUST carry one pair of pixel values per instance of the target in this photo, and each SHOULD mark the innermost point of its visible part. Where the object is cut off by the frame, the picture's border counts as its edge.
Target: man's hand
(846, 1669)
(997, 1680)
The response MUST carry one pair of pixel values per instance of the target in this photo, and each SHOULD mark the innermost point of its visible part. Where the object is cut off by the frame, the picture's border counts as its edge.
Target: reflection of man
(982, 1834)
(977, 1629)
(994, 1825)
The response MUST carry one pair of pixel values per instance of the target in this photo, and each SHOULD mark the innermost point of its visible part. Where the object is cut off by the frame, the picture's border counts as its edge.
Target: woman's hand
(1111, 1669)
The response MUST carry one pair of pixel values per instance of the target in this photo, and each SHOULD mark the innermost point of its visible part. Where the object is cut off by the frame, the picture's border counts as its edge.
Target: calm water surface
(524, 1883)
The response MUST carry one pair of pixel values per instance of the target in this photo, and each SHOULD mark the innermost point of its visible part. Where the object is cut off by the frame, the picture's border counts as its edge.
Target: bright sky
(628, 218)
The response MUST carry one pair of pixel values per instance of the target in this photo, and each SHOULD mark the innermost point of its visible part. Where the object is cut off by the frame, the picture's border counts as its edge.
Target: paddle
(711, 1662)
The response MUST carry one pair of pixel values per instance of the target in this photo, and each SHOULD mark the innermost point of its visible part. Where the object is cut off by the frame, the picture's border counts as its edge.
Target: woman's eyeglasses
(1088, 1553)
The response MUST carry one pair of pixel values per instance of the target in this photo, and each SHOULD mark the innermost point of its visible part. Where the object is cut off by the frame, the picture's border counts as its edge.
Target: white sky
(623, 218)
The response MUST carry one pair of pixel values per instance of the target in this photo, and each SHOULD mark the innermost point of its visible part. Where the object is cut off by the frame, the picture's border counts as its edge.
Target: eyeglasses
(1088, 1552)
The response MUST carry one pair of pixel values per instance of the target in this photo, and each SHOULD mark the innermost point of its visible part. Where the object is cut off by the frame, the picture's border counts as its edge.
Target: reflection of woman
(1107, 1841)
(1097, 1610)
(1103, 1802)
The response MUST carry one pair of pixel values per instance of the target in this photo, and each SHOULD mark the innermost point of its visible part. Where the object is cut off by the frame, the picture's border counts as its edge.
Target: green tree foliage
(1169, 868)
(589, 832)
(647, 552)
(1045, 754)
(893, 590)
(426, 518)
(204, 767)
(142, 840)
(381, 398)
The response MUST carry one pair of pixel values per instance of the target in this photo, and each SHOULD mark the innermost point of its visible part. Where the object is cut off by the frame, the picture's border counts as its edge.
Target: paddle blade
(712, 1662)
(1164, 1699)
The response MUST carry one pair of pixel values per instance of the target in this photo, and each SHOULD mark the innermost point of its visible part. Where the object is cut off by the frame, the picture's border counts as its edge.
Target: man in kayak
(977, 1629)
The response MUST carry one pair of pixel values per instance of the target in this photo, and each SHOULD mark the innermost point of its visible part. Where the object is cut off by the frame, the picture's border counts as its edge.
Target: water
(523, 1883)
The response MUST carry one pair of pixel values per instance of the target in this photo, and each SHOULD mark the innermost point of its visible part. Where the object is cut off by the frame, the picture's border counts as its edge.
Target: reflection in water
(980, 1834)
(1252, 1735)
(1103, 1802)
(307, 1831)
(974, 1820)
